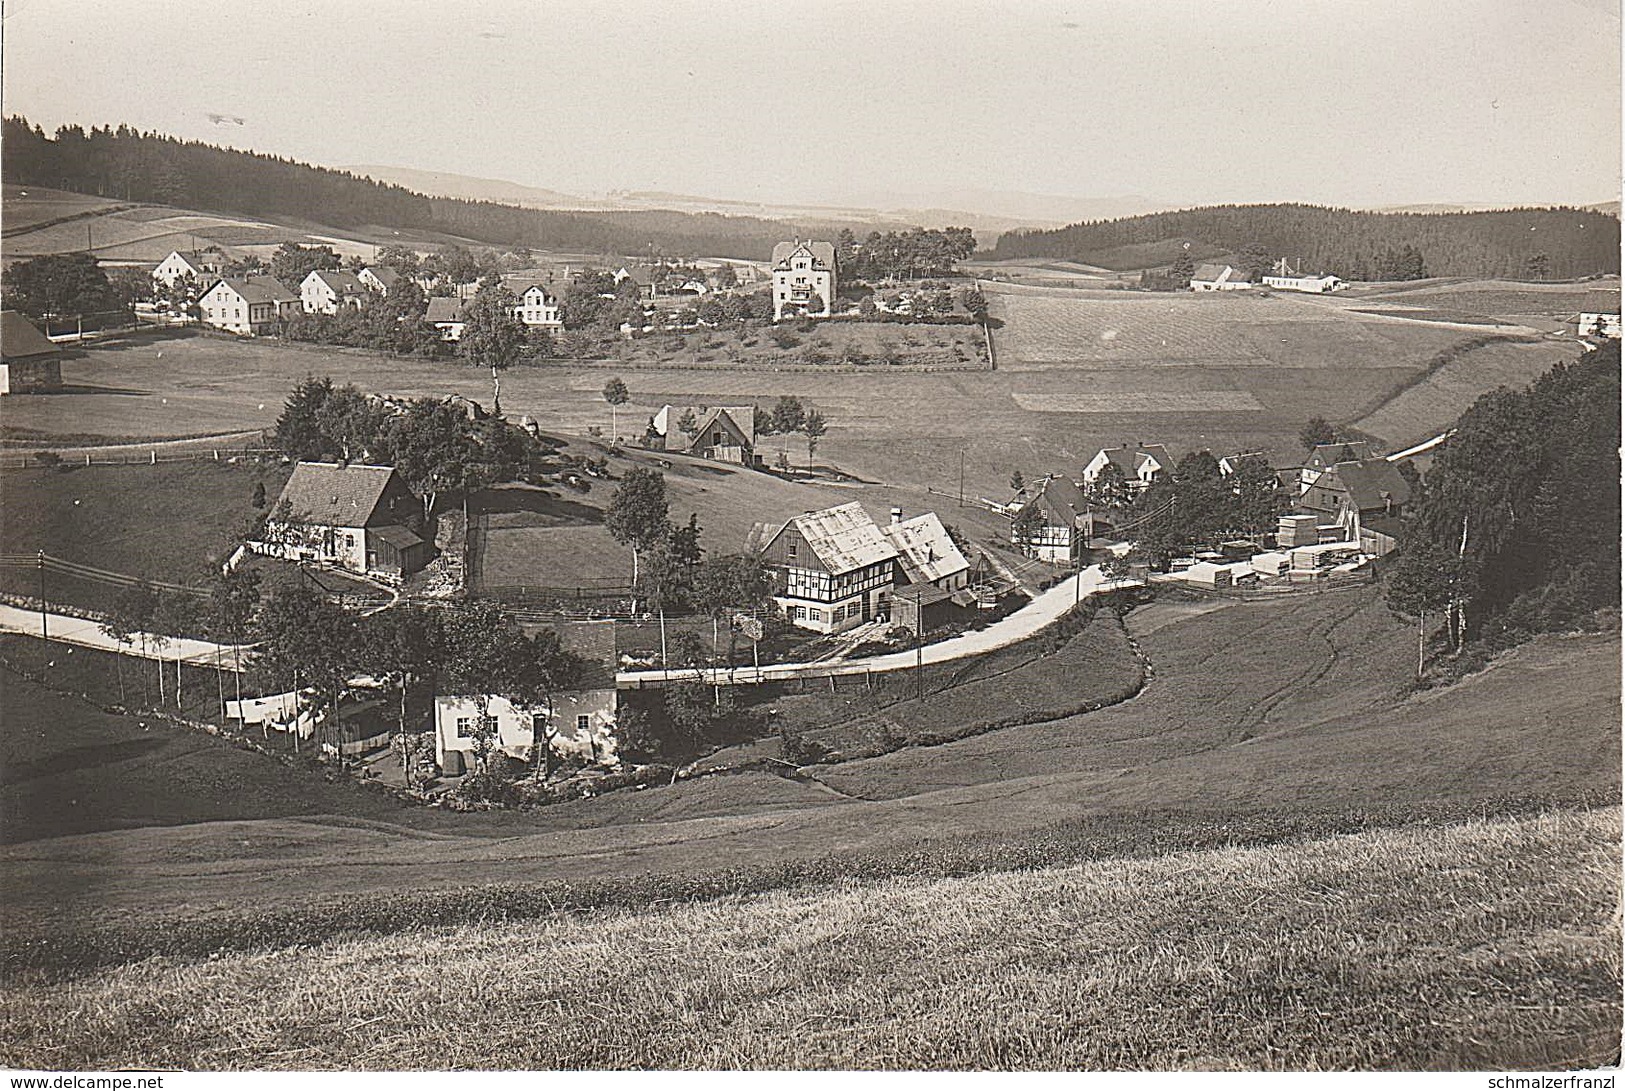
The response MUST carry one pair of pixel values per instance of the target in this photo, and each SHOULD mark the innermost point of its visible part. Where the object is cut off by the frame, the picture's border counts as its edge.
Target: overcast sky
(1350, 102)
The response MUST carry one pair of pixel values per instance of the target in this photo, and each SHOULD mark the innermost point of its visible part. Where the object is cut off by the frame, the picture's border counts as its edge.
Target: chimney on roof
(896, 516)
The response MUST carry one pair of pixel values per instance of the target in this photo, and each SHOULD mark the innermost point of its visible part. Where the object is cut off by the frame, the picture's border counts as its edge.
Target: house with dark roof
(379, 278)
(1323, 456)
(1214, 277)
(804, 279)
(646, 277)
(250, 306)
(578, 722)
(1351, 491)
(360, 518)
(324, 291)
(722, 433)
(28, 360)
(831, 569)
(1052, 523)
(446, 315)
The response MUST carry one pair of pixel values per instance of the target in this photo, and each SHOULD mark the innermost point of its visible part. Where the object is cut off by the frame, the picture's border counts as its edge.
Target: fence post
(154, 454)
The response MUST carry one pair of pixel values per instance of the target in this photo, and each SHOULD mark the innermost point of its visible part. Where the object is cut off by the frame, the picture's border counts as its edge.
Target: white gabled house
(579, 724)
(324, 291)
(178, 265)
(804, 279)
(1316, 285)
(1598, 323)
(1051, 524)
(1142, 464)
(831, 569)
(379, 278)
(446, 315)
(247, 305)
(537, 307)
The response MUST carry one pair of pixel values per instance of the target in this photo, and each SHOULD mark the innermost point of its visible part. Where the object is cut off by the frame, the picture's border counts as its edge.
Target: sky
(1360, 103)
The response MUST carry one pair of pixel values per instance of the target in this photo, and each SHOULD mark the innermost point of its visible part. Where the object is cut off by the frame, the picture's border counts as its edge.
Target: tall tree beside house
(1018, 481)
(1317, 431)
(788, 417)
(299, 434)
(492, 336)
(1260, 498)
(401, 647)
(637, 515)
(59, 285)
(813, 426)
(306, 642)
(433, 448)
(482, 657)
(292, 263)
(403, 259)
(616, 394)
(234, 596)
(1109, 491)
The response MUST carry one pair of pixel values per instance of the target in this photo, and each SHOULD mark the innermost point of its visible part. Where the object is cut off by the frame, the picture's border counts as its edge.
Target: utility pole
(962, 477)
(44, 631)
(919, 655)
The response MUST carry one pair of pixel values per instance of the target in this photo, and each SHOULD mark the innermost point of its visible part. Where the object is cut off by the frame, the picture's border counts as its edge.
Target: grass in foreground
(1483, 945)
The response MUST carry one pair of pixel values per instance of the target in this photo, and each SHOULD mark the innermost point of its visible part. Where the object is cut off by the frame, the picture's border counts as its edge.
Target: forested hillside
(1522, 243)
(1518, 529)
(134, 166)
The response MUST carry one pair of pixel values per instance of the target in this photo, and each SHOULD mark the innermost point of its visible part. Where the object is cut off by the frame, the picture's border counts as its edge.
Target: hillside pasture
(26, 206)
(175, 521)
(1482, 945)
(1454, 381)
(1237, 721)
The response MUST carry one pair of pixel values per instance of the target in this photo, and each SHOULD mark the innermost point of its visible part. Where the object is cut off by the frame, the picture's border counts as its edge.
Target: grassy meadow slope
(1485, 945)
(1245, 717)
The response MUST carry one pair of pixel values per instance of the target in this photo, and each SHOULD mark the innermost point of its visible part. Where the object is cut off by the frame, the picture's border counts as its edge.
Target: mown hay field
(1481, 945)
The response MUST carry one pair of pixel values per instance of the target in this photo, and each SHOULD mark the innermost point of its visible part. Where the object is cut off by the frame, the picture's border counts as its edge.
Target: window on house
(465, 727)
(583, 724)
(799, 613)
(792, 548)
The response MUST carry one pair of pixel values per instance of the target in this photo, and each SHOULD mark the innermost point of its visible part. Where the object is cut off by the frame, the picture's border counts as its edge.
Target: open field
(1452, 383)
(1483, 945)
(1062, 389)
(1245, 715)
(1545, 306)
(26, 206)
(174, 521)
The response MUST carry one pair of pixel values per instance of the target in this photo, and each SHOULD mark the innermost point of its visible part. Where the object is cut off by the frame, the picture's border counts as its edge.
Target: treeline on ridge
(124, 164)
(1533, 243)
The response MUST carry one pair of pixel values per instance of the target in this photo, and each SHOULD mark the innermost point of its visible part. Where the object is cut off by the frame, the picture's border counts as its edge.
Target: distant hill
(435, 183)
(155, 169)
(1544, 242)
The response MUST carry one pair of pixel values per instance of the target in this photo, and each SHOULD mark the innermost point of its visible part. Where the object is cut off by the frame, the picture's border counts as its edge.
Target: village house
(804, 279)
(1326, 455)
(926, 554)
(356, 517)
(537, 307)
(646, 277)
(1365, 498)
(580, 723)
(178, 265)
(724, 433)
(379, 278)
(1211, 277)
(1050, 524)
(1142, 464)
(831, 569)
(446, 315)
(251, 306)
(324, 291)
(29, 362)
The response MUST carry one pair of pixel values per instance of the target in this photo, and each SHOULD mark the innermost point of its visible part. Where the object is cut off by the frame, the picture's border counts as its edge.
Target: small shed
(921, 607)
(396, 550)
